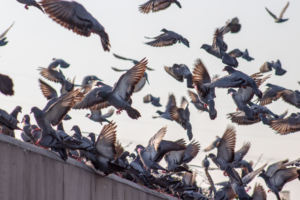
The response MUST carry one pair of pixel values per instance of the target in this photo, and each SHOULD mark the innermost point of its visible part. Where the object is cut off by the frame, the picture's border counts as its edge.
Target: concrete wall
(28, 172)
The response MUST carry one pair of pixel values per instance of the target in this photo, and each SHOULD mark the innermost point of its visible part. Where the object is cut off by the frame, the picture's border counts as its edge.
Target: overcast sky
(35, 39)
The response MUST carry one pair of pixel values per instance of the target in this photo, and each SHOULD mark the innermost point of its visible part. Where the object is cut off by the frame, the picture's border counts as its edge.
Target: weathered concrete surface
(28, 172)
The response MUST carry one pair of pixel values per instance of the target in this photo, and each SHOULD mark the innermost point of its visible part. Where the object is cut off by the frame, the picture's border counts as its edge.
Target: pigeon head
(53, 59)
(205, 47)
(26, 119)
(102, 94)
(76, 129)
(36, 111)
(18, 109)
(92, 136)
(231, 91)
(263, 174)
(132, 155)
(229, 69)
(269, 85)
(139, 147)
(164, 30)
(159, 112)
(212, 156)
(88, 115)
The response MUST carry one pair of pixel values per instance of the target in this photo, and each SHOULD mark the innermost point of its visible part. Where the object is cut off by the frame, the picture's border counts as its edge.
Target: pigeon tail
(132, 113)
(104, 40)
(3, 42)
(280, 72)
(189, 81)
(212, 110)
(228, 60)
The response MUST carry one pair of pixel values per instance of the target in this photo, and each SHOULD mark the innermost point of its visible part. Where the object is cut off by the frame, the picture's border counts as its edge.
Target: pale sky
(35, 39)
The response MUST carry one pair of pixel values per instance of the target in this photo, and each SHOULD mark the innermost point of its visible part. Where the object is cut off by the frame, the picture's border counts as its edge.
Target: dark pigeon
(73, 15)
(205, 163)
(157, 5)
(181, 72)
(236, 53)
(153, 100)
(279, 20)
(213, 145)
(287, 125)
(261, 109)
(30, 3)
(199, 105)
(132, 60)
(97, 116)
(6, 85)
(166, 114)
(8, 123)
(272, 93)
(266, 67)
(278, 68)
(290, 97)
(168, 38)
(233, 26)
(88, 82)
(240, 118)
(60, 62)
(240, 154)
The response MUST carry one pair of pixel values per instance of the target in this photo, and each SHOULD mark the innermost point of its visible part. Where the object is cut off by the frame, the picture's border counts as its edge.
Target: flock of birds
(107, 155)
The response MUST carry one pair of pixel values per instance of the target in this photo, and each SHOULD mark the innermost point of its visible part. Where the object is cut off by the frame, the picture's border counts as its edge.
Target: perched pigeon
(134, 62)
(225, 155)
(213, 145)
(154, 100)
(180, 72)
(96, 116)
(290, 97)
(6, 85)
(168, 38)
(8, 123)
(287, 125)
(279, 20)
(272, 93)
(30, 3)
(205, 163)
(3, 38)
(226, 59)
(157, 5)
(73, 15)
(197, 102)
(166, 114)
(236, 53)
(277, 175)
(233, 26)
(60, 62)
(182, 116)
(235, 79)
(206, 95)
(175, 159)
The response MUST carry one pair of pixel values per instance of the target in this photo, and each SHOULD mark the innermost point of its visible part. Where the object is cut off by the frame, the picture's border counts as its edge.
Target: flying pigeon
(233, 26)
(2, 36)
(97, 116)
(272, 93)
(6, 85)
(236, 53)
(157, 5)
(279, 20)
(166, 114)
(132, 60)
(199, 105)
(181, 72)
(31, 3)
(153, 100)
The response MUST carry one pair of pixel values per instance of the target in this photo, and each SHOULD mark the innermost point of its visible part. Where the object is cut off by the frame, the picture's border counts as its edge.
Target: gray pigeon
(168, 38)
(233, 26)
(213, 145)
(73, 15)
(166, 114)
(8, 123)
(235, 79)
(205, 163)
(181, 72)
(279, 20)
(206, 95)
(290, 97)
(153, 100)
(236, 53)
(287, 125)
(132, 60)
(271, 94)
(225, 155)
(277, 175)
(240, 154)
(6, 85)
(140, 84)
(278, 69)
(261, 109)
(3, 38)
(157, 5)
(30, 3)
(266, 67)
(60, 62)
(240, 118)
(199, 105)
(182, 116)
(97, 116)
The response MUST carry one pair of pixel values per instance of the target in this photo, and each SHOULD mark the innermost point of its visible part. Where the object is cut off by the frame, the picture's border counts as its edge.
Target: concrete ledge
(28, 172)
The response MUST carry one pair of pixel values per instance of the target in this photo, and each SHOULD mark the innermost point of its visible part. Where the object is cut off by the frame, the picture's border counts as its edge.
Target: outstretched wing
(274, 16)
(282, 12)
(48, 91)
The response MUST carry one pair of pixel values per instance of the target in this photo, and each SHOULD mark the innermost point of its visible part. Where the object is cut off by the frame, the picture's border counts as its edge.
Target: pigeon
(278, 69)
(287, 125)
(26, 133)
(226, 59)
(188, 180)
(16, 111)
(261, 109)
(6, 85)
(279, 20)
(78, 136)
(206, 95)
(213, 145)
(96, 115)
(175, 159)
(132, 60)
(54, 112)
(93, 137)
(240, 118)
(236, 53)
(277, 175)
(3, 38)
(290, 97)
(157, 5)
(205, 163)
(8, 123)
(154, 100)
(218, 42)
(31, 3)
(225, 155)
(199, 105)
(73, 15)
(166, 114)
(266, 67)
(233, 26)
(240, 154)
(180, 72)
(140, 84)
(60, 62)
(156, 150)
(235, 79)
(182, 116)
(88, 82)
(168, 38)
(271, 94)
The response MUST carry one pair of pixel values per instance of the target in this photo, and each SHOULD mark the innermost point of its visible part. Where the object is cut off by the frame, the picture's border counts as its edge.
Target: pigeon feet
(225, 173)
(205, 106)
(119, 111)
(269, 191)
(26, 7)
